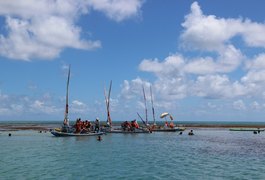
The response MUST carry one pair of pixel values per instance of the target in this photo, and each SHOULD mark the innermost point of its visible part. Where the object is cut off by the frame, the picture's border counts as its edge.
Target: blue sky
(204, 59)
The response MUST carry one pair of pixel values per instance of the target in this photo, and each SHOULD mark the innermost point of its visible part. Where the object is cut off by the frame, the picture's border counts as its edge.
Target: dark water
(209, 154)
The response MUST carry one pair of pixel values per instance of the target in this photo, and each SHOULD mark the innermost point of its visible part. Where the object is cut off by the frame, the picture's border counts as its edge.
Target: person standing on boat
(66, 127)
(97, 125)
(66, 122)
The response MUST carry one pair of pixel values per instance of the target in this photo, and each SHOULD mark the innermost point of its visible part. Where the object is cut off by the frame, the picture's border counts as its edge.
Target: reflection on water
(209, 154)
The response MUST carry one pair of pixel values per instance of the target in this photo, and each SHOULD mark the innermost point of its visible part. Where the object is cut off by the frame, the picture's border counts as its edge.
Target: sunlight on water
(209, 154)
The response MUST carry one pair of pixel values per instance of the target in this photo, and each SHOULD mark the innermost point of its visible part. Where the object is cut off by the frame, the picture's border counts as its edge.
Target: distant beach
(47, 125)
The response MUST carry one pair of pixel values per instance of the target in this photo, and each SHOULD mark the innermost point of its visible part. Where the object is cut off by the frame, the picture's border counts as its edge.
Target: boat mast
(146, 119)
(67, 92)
(107, 100)
(153, 109)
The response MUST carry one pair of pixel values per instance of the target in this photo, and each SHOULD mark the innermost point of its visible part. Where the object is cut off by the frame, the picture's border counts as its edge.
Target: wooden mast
(152, 102)
(146, 118)
(107, 100)
(67, 94)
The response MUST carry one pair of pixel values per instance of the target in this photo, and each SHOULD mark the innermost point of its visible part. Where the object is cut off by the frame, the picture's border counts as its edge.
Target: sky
(204, 59)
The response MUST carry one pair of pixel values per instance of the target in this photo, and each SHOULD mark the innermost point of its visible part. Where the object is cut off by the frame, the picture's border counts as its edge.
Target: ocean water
(209, 154)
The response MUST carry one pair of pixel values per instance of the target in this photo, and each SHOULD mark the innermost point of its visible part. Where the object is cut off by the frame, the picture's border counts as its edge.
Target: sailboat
(169, 128)
(66, 129)
(110, 128)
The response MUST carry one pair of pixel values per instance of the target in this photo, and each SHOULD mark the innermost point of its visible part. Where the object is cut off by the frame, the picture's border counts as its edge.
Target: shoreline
(47, 127)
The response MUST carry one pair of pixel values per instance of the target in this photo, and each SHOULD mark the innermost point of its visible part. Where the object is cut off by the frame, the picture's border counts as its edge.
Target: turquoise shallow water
(209, 154)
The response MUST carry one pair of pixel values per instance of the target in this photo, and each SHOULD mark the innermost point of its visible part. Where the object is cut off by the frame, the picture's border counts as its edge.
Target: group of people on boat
(130, 126)
(81, 126)
(170, 125)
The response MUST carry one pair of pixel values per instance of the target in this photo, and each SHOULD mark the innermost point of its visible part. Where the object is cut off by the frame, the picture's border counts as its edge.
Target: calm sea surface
(209, 154)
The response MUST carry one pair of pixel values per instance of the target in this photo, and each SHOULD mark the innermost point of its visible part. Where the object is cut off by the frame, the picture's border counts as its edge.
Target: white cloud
(14, 105)
(208, 75)
(35, 31)
(239, 105)
(257, 63)
(78, 107)
(227, 61)
(217, 86)
(41, 107)
(134, 88)
(117, 10)
(211, 33)
(254, 78)
(251, 33)
(165, 91)
(173, 64)
(255, 105)
(42, 29)
(207, 32)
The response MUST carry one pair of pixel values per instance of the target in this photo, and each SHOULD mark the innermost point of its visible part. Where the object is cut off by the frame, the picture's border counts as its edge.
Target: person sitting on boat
(134, 124)
(83, 128)
(97, 125)
(78, 125)
(171, 125)
(166, 125)
(88, 125)
(126, 126)
(123, 126)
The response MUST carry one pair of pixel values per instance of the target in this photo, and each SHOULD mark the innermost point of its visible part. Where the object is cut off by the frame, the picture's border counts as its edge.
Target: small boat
(66, 129)
(110, 128)
(120, 130)
(246, 129)
(63, 134)
(157, 128)
(175, 129)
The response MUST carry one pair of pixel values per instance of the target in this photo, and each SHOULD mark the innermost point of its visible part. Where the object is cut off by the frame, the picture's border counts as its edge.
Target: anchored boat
(246, 129)
(126, 127)
(168, 128)
(66, 129)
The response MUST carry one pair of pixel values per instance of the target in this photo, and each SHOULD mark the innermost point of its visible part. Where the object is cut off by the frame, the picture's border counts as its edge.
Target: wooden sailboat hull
(65, 134)
(169, 129)
(127, 132)
(118, 130)
(246, 129)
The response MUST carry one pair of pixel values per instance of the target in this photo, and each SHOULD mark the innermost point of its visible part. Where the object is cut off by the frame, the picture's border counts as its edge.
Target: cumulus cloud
(208, 75)
(217, 86)
(133, 88)
(255, 105)
(239, 105)
(117, 10)
(78, 107)
(227, 61)
(13, 106)
(39, 106)
(42, 29)
(258, 62)
(208, 32)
